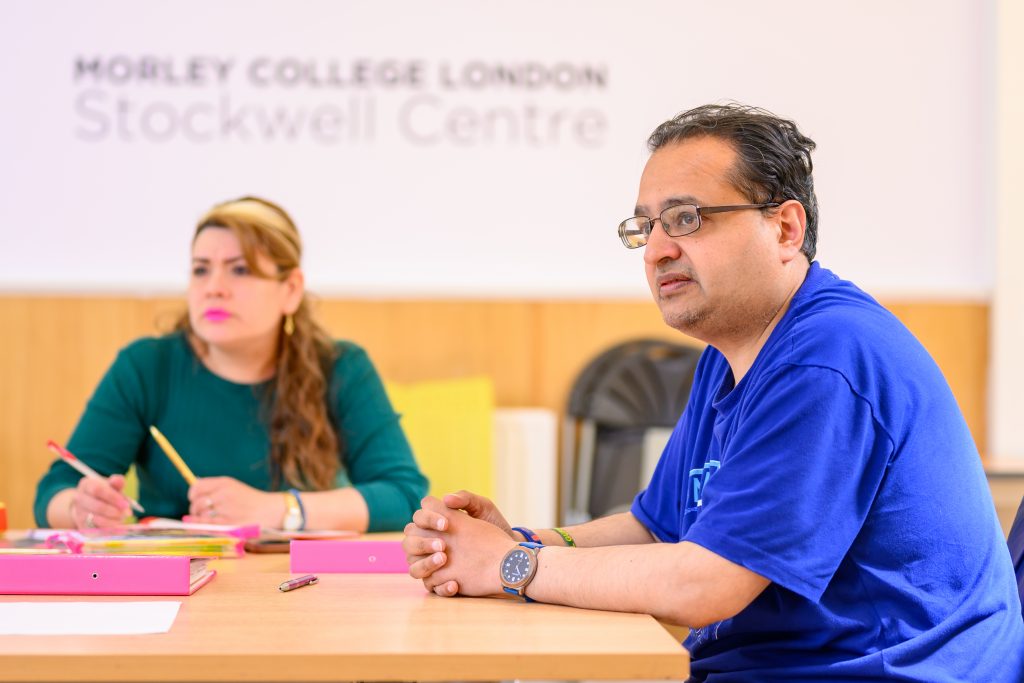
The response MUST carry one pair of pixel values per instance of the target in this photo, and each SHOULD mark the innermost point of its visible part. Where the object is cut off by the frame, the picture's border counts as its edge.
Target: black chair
(1016, 542)
(621, 409)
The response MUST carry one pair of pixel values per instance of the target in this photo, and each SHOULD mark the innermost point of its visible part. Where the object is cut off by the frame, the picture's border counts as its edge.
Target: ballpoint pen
(172, 455)
(65, 455)
(292, 584)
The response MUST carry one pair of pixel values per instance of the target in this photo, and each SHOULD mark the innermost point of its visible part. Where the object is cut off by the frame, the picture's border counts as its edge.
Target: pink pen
(307, 580)
(65, 455)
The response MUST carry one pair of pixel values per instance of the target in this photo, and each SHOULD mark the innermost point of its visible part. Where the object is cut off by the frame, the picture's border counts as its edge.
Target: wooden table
(350, 627)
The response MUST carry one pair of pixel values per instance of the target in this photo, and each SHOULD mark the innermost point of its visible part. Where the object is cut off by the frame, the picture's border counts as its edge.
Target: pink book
(68, 574)
(187, 523)
(348, 557)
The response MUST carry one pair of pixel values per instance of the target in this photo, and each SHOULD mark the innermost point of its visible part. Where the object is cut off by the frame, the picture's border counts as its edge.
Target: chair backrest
(620, 396)
(638, 383)
(1016, 542)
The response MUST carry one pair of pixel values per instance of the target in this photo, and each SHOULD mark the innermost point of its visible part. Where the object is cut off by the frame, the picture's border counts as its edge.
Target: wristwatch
(293, 518)
(518, 568)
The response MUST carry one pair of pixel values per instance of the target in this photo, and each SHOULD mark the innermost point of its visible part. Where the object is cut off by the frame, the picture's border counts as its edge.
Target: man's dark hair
(773, 157)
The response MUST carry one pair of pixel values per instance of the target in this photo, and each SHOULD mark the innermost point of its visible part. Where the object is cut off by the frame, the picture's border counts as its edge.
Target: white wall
(403, 190)
(1006, 437)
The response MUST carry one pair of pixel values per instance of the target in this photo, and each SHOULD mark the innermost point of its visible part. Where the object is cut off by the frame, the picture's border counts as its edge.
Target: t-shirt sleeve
(109, 433)
(378, 458)
(659, 506)
(797, 479)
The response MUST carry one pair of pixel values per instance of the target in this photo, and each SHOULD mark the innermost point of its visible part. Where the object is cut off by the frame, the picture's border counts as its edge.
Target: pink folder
(68, 574)
(348, 557)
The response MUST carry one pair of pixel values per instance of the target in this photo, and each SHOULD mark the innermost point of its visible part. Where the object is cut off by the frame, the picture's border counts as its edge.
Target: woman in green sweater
(281, 426)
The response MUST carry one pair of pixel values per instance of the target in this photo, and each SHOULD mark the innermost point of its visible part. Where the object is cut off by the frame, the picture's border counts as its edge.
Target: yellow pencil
(172, 455)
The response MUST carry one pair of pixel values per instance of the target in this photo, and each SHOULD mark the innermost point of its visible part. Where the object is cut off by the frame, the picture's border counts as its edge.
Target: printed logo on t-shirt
(699, 636)
(699, 479)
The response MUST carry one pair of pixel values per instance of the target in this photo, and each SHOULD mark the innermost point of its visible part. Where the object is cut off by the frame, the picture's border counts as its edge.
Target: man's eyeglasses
(678, 220)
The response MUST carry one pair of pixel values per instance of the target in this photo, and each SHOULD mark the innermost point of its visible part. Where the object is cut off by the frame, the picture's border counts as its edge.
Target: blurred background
(458, 170)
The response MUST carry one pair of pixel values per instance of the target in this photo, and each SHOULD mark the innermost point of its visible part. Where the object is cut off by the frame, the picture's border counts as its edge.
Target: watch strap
(528, 534)
(302, 508)
(523, 595)
(294, 519)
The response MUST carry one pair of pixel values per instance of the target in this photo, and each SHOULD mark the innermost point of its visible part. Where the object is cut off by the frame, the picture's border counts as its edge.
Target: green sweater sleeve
(109, 433)
(378, 458)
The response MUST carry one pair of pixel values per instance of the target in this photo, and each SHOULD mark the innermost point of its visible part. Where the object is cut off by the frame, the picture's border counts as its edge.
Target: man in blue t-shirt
(820, 511)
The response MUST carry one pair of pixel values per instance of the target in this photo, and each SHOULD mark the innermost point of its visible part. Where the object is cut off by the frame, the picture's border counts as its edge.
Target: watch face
(515, 569)
(292, 521)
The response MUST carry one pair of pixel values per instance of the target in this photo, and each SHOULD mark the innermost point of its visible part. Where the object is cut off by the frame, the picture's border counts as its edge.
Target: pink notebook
(67, 574)
(348, 557)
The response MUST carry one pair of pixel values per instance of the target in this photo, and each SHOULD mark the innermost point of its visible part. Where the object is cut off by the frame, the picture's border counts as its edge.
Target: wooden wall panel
(956, 335)
(52, 354)
(418, 340)
(54, 350)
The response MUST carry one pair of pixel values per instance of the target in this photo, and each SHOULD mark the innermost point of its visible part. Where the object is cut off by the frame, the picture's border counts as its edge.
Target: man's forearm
(682, 583)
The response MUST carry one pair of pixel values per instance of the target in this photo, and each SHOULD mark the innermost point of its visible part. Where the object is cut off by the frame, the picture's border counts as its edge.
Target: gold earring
(289, 325)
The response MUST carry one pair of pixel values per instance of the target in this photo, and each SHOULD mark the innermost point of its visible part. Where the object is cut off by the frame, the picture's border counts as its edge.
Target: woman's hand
(99, 503)
(225, 500)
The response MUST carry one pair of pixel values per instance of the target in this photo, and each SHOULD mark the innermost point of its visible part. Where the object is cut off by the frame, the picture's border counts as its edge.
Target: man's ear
(792, 220)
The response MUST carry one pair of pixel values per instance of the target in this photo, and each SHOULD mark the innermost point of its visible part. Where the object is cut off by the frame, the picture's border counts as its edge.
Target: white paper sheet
(86, 618)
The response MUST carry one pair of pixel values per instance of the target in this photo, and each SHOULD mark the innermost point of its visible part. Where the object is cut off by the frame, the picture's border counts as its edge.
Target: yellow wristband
(565, 537)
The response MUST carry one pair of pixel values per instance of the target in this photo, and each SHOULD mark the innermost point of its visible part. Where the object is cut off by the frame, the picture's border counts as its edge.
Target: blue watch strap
(527, 534)
(513, 591)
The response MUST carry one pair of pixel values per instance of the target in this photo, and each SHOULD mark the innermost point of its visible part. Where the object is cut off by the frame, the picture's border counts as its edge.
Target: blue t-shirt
(841, 469)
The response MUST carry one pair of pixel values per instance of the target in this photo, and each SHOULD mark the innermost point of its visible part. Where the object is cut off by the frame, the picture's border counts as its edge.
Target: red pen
(65, 455)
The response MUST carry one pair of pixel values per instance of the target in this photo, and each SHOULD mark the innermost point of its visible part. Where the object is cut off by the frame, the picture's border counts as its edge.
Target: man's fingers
(475, 505)
(421, 545)
(447, 589)
(443, 587)
(428, 519)
(427, 566)
(459, 500)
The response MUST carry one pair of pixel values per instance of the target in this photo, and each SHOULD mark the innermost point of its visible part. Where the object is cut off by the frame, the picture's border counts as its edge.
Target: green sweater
(218, 428)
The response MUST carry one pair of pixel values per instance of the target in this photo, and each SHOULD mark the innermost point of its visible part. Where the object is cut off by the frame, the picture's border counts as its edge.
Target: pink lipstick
(216, 315)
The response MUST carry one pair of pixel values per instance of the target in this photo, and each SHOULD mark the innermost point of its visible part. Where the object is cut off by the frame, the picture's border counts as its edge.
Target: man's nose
(660, 246)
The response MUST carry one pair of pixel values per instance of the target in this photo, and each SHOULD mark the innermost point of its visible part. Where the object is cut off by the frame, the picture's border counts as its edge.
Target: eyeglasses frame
(700, 211)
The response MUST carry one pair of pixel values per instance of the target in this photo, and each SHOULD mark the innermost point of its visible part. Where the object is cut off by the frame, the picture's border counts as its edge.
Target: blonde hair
(303, 444)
